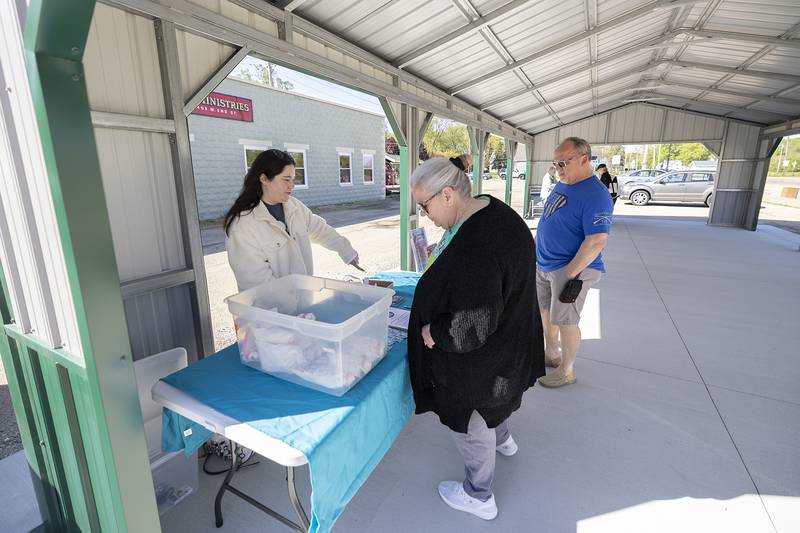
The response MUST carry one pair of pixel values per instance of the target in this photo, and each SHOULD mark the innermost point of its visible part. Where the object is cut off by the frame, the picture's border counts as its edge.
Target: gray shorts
(550, 284)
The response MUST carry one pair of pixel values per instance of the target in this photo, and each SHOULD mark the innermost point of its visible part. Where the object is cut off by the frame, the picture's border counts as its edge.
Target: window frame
(299, 148)
(253, 144)
(349, 153)
(364, 154)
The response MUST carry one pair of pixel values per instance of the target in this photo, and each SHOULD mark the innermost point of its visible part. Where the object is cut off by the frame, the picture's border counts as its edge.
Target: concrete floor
(685, 417)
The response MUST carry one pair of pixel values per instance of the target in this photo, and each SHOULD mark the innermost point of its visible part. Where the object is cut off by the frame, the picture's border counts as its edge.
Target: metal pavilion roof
(538, 64)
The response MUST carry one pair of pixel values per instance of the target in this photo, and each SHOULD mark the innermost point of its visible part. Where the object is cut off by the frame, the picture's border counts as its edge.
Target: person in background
(268, 232)
(570, 239)
(548, 182)
(475, 341)
(609, 181)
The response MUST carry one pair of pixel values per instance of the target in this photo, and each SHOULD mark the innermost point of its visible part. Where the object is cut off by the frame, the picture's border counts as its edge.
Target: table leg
(225, 485)
(298, 507)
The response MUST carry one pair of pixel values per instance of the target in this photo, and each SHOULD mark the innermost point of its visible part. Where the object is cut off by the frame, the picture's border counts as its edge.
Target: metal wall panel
(637, 122)
(159, 321)
(200, 58)
(121, 64)
(142, 201)
(688, 126)
(544, 145)
(592, 130)
(736, 185)
(30, 243)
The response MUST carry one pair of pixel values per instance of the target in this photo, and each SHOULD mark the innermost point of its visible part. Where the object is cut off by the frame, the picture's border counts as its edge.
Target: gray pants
(477, 447)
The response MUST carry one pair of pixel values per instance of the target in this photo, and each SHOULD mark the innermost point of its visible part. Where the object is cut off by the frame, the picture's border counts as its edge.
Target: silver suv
(640, 175)
(684, 186)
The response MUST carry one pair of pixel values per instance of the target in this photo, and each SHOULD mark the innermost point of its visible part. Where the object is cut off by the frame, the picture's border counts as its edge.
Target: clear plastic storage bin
(319, 333)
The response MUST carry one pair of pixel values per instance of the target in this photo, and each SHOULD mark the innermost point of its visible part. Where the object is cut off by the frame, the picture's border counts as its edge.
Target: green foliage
(446, 138)
(788, 151)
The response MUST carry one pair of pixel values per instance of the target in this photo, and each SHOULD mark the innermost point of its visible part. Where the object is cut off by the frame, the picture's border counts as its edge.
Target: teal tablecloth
(343, 438)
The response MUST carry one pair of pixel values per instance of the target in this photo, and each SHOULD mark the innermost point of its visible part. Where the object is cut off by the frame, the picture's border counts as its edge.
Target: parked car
(684, 186)
(515, 174)
(640, 175)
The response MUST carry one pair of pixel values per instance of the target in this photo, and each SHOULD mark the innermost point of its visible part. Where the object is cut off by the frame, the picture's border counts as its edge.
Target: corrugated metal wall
(123, 77)
(738, 181)
(30, 245)
(743, 157)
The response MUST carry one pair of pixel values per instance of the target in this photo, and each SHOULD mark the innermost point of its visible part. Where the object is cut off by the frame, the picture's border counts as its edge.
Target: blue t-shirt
(572, 212)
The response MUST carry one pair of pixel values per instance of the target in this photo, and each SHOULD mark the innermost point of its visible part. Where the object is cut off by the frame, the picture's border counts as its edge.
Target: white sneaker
(508, 448)
(452, 492)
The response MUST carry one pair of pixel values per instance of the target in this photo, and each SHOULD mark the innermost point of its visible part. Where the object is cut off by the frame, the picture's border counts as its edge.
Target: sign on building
(225, 106)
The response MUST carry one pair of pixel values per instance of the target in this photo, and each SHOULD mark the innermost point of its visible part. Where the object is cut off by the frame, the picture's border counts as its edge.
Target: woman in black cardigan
(475, 341)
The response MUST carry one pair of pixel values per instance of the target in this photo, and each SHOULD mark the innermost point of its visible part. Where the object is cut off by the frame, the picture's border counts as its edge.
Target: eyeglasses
(564, 162)
(423, 206)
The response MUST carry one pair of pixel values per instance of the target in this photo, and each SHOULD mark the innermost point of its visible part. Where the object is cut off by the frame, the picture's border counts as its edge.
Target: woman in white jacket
(269, 233)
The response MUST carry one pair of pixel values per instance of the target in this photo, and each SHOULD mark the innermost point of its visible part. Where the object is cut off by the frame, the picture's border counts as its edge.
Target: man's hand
(426, 336)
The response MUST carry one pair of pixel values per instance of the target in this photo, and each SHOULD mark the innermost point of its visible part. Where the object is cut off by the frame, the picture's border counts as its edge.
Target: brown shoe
(557, 379)
(552, 362)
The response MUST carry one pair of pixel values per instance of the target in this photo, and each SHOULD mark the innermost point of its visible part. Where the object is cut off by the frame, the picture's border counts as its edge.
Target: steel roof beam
(289, 5)
(477, 24)
(763, 97)
(625, 18)
(690, 101)
(708, 35)
(580, 91)
(791, 78)
(561, 76)
(212, 25)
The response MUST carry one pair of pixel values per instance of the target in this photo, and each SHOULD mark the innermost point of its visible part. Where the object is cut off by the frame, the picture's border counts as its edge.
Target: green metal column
(526, 201)
(477, 141)
(511, 148)
(396, 124)
(79, 412)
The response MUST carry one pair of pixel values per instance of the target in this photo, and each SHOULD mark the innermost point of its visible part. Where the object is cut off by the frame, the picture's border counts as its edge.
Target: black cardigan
(479, 297)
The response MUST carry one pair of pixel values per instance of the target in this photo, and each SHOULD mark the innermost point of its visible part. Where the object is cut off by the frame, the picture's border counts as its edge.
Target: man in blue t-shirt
(570, 238)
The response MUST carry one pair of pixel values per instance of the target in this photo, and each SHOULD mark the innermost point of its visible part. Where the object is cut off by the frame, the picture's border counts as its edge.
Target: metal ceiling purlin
(488, 35)
(211, 23)
(625, 18)
(562, 75)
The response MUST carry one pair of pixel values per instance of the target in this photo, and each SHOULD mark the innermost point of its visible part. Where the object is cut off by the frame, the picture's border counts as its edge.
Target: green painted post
(404, 197)
(402, 143)
(475, 137)
(111, 433)
(510, 148)
(526, 201)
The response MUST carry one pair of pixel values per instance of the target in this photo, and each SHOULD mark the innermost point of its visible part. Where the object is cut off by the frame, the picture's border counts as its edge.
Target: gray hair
(583, 147)
(437, 173)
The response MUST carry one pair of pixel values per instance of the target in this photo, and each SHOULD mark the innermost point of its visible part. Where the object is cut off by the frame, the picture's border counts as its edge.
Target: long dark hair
(270, 163)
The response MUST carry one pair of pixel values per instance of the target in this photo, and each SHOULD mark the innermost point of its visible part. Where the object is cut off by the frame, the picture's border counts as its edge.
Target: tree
(496, 153)
(266, 74)
(390, 145)
(446, 138)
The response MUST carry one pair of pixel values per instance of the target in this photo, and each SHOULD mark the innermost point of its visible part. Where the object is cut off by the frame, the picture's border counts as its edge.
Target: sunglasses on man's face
(564, 162)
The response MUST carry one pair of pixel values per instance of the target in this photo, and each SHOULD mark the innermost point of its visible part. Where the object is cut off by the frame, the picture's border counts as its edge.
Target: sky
(318, 88)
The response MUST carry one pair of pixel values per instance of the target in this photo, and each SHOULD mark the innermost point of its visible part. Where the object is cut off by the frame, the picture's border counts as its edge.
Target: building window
(299, 153)
(251, 150)
(345, 168)
(368, 160)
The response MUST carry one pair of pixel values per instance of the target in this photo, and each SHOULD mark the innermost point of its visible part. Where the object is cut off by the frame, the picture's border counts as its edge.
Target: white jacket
(259, 248)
